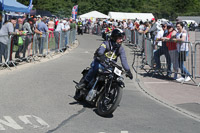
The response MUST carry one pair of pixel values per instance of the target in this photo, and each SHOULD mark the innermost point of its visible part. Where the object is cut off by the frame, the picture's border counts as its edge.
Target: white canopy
(124, 15)
(93, 14)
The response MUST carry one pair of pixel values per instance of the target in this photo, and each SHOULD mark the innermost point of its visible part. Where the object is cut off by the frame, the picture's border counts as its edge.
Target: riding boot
(81, 85)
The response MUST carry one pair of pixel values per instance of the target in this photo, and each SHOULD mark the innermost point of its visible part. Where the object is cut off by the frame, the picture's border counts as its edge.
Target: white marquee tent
(124, 15)
(93, 14)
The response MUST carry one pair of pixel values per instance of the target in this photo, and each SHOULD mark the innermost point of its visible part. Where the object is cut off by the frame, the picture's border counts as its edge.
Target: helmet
(116, 33)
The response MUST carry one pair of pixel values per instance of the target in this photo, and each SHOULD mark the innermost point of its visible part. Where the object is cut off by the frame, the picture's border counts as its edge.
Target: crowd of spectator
(23, 29)
(168, 38)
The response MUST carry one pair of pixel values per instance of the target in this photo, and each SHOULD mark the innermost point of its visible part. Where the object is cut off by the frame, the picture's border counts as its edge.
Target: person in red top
(171, 45)
(109, 29)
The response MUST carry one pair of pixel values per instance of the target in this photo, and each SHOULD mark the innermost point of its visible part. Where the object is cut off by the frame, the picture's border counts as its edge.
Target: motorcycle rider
(80, 24)
(107, 50)
(109, 29)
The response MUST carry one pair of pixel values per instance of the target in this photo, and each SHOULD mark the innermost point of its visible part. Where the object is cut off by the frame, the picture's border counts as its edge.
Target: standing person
(172, 48)
(42, 27)
(28, 27)
(58, 31)
(141, 27)
(154, 29)
(146, 32)
(18, 28)
(65, 29)
(162, 49)
(73, 30)
(51, 26)
(6, 30)
(183, 50)
(130, 27)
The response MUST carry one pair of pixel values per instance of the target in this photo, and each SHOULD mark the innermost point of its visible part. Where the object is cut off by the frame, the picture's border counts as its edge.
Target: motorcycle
(103, 35)
(106, 35)
(105, 92)
(80, 29)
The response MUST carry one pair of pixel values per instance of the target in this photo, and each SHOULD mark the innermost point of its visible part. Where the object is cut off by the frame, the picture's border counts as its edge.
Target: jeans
(162, 50)
(41, 44)
(66, 38)
(57, 39)
(184, 71)
(3, 51)
(95, 65)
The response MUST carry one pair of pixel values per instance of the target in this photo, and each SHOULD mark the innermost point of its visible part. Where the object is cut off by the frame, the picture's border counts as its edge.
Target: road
(39, 99)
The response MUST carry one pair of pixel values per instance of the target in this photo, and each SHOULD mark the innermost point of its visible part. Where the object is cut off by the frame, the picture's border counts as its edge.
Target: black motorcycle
(105, 92)
(80, 29)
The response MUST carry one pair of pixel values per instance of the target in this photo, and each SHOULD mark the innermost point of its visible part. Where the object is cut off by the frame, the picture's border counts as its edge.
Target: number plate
(117, 71)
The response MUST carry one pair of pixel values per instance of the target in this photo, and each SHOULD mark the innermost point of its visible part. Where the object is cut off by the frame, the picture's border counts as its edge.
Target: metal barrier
(197, 61)
(148, 52)
(30, 47)
(134, 37)
(197, 34)
(140, 40)
(186, 61)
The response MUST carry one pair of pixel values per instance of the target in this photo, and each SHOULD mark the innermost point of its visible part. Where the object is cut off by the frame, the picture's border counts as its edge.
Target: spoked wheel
(108, 102)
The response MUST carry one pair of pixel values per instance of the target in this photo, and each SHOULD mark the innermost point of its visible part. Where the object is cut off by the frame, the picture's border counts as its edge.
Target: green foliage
(160, 8)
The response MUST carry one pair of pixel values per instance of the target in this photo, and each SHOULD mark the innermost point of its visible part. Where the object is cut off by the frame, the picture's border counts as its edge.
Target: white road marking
(32, 117)
(121, 132)
(156, 82)
(26, 119)
(42, 122)
(10, 123)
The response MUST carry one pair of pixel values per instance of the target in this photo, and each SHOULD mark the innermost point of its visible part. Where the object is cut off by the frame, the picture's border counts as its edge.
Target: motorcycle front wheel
(108, 102)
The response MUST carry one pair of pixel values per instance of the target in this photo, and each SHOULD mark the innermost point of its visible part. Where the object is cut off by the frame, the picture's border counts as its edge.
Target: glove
(129, 74)
(102, 58)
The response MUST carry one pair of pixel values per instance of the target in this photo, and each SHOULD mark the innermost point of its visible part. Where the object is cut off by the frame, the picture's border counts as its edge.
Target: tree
(160, 8)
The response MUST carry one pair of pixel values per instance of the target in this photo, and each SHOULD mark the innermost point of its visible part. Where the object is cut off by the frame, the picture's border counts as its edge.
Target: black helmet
(116, 33)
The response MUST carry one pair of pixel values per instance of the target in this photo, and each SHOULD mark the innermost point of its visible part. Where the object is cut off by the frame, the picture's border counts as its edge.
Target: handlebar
(110, 63)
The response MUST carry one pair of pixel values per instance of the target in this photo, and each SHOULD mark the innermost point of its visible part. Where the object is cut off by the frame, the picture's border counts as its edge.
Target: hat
(64, 21)
(153, 19)
(30, 19)
(44, 19)
(170, 25)
(164, 23)
(38, 16)
(14, 18)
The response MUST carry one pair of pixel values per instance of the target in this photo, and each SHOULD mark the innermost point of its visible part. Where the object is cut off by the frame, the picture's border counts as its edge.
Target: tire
(101, 108)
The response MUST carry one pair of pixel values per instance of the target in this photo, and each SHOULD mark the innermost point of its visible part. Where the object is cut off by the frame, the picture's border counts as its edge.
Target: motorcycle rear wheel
(107, 103)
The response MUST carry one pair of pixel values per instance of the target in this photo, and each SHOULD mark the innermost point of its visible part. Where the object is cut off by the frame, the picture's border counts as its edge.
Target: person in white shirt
(65, 30)
(58, 32)
(183, 50)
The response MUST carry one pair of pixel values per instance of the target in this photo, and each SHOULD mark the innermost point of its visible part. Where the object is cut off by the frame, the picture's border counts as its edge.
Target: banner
(2, 5)
(30, 5)
(74, 12)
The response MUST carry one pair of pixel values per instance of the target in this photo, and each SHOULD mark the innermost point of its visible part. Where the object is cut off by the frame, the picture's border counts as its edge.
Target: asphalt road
(38, 99)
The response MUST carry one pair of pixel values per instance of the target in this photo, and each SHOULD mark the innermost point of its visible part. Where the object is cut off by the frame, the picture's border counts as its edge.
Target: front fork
(107, 89)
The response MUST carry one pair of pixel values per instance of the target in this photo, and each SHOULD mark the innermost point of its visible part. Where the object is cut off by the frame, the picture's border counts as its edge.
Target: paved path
(38, 99)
